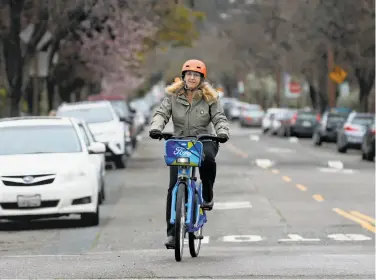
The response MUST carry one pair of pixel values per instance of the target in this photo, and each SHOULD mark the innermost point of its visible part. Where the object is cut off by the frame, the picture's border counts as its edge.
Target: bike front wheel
(180, 222)
(194, 238)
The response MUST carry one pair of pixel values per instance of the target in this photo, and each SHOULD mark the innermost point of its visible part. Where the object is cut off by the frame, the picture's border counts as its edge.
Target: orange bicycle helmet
(194, 65)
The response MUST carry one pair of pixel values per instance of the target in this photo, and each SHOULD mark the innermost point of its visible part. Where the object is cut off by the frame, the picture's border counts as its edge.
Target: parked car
(142, 106)
(105, 125)
(46, 170)
(268, 118)
(124, 110)
(303, 123)
(350, 136)
(282, 122)
(251, 116)
(99, 160)
(231, 108)
(326, 130)
(368, 143)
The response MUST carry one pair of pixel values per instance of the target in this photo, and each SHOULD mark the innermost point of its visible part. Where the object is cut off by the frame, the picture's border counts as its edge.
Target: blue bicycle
(187, 213)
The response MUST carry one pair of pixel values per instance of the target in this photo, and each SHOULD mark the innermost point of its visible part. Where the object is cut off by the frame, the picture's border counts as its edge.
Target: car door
(100, 157)
(94, 158)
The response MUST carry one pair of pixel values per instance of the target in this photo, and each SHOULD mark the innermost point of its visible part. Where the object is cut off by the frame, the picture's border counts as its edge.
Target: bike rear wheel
(180, 222)
(193, 241)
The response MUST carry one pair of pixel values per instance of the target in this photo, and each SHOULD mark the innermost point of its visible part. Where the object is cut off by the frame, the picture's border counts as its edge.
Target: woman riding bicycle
(194, 106)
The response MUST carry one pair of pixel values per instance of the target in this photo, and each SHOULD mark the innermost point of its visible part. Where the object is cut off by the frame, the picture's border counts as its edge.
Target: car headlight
(72, 175)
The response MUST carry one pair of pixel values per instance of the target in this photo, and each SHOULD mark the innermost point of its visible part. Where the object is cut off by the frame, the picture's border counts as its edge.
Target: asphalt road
(283, 209)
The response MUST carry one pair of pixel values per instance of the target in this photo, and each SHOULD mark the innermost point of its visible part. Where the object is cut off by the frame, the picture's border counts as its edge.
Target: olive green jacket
(191, 119)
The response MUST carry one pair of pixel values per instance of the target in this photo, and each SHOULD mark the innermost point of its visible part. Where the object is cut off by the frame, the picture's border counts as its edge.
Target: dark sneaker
(170, 242)
(207, 205)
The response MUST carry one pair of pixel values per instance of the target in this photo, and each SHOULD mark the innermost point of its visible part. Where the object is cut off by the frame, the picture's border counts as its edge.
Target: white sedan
(46, 170)
(99, 160)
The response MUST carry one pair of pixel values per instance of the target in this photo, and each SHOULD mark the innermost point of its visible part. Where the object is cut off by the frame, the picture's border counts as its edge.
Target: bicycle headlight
(182, 160)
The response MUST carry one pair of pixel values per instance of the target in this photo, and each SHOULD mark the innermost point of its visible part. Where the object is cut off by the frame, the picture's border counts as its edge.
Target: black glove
(155, 134)
(223, 138)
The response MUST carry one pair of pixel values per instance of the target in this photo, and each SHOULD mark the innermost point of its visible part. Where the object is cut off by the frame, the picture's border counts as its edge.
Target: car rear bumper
(302, 130)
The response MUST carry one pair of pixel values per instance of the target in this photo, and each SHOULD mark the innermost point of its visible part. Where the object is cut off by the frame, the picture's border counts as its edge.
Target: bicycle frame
(185, 175)
(191, 151)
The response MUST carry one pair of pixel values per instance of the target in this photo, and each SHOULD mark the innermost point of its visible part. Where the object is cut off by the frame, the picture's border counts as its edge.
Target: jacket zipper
(189, 116)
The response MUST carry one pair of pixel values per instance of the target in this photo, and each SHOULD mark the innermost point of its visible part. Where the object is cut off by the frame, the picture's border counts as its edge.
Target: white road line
(241, 238)
(293, 140)
(336, 164)
(254, 137)
(340, 237)
(349, 237)
(297, 237)
(264, 163)
(333, 170)
(232, 205)
(205, 240)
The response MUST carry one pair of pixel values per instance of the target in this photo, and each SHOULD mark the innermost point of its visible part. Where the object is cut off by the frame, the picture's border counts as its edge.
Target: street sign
(338, 75)
(295, 87)
(292, 87)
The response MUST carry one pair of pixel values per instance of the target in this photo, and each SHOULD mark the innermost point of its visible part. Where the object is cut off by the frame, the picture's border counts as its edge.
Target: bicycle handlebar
(167, 136)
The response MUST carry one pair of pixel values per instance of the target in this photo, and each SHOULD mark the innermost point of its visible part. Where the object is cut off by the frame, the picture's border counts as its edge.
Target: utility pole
(275, 55)
(330, 83)
(35, 109)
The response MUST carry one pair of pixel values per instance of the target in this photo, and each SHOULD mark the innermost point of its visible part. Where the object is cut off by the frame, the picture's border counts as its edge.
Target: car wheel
(341, 149)
(90, 219)
(121, 161)
(103, 191)
(317, 139)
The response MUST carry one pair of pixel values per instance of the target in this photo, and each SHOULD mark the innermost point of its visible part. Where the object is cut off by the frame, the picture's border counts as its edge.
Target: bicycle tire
(180, 222)
(194, 249)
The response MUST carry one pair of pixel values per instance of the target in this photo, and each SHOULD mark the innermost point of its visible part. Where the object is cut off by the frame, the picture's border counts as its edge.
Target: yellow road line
(318, 197)
(301, 187)
(275, 171)
(364, 224)
(237, 151)
(286, 179)
(363, 217)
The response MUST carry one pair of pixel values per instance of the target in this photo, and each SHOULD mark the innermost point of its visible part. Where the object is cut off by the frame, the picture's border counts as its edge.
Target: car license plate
(306, 124)
(29, 201)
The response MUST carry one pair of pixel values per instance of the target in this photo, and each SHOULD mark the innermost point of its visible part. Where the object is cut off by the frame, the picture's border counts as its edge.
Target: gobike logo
(181, 152)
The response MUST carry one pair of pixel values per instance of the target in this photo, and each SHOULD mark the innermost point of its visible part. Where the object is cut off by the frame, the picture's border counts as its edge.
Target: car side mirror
(97, 148)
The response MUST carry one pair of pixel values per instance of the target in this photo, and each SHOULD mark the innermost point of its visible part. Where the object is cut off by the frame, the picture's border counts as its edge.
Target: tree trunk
(365, 81)
(50, 93)
(313, 96)
(13, 57)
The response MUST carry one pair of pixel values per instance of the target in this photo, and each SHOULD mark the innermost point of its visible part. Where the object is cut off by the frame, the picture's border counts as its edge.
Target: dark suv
(326, 130)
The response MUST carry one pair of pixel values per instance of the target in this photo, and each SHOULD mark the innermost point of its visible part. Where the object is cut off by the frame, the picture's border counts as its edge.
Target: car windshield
(46, 139)
(362, 120)
(255, 113)
(336, 117)
(90, 115)
(120, 107)
(307, 116)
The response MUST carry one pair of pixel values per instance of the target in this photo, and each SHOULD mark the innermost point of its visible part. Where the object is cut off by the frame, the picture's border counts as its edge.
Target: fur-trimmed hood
(205, 91)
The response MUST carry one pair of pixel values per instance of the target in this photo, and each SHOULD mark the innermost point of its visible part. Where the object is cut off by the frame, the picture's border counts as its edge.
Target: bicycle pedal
(199, 237)
(169, 247)
(207, 208)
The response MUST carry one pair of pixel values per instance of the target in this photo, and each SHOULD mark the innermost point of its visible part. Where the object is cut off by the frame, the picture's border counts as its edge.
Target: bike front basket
(183, 152)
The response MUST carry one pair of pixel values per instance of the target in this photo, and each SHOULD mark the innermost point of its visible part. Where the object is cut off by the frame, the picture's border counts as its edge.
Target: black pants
(208, 171)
